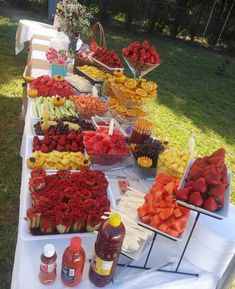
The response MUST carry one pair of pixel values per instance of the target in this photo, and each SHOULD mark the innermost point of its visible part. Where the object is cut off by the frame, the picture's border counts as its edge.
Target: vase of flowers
(74, 20)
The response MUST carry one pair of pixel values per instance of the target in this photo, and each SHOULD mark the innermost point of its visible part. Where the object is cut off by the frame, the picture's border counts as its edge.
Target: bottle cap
(115, 219)
(75, 243)
(49, 250)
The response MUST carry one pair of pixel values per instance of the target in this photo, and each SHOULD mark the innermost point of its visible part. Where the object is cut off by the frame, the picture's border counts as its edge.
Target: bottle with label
(47, 273)
(107, 250)
(73, 263)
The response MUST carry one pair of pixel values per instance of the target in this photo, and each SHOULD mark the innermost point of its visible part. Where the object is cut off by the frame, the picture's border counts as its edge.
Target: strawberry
(218, 162)
(145, 44)
(74, 147)
(44, 148)
(210, 204)
(152, 50)
(219, 153)
(200, 185)
(68, 147)
(36, 148)
(137, 45)
(218, 192)
(60, 148)
(152, 59)
(62, 140)
(71, 135)
(182, 194)
(195, 199)
(51, 147)
(131, 46)
(36, 139)
(136, 51)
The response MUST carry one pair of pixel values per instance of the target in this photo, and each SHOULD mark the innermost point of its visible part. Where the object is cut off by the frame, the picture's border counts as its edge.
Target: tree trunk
(180, 12)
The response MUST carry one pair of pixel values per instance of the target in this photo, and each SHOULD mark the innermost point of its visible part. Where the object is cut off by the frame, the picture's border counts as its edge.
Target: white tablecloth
(27, 255)
(26, 30)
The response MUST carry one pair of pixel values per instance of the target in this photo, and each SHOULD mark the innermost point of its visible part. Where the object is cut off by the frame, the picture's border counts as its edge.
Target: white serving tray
(24, 229)
(220, 214)
(105, 66)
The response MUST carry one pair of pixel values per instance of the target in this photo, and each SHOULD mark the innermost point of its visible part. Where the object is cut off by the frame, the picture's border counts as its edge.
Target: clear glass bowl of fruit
(106, 149)
(141, 58)
(173, 162)
(134, 91)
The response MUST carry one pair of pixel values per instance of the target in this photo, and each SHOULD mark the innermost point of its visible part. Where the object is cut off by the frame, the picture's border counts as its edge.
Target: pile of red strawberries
(142, 53)
(206, 183)
(70, 142)
(108, 57)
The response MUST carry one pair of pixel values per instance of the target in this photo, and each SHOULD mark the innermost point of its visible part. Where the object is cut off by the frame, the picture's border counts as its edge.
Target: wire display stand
(177, 268)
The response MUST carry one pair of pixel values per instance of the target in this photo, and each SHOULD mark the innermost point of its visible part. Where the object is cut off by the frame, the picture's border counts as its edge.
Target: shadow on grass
(10, 176)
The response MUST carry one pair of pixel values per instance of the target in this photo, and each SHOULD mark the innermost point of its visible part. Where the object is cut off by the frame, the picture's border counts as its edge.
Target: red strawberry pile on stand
(66, 202)
(49, 86)
(160, 210)
(206, 182)
(70, 142)
(104, 148)
(108, 57)
(139, 54)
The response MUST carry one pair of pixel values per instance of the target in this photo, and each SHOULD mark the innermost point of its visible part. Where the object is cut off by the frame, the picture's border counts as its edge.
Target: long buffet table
(29, 249)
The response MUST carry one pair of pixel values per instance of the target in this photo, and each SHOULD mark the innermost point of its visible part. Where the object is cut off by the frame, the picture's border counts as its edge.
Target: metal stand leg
(176, 271)
(186, 245)
(150, 249)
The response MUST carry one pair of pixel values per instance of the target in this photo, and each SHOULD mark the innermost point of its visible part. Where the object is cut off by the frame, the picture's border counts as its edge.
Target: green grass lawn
(191, 99)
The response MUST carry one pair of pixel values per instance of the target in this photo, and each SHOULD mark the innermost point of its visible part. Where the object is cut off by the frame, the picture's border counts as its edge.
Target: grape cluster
(85, 125)
(63, 128)
(150, 148)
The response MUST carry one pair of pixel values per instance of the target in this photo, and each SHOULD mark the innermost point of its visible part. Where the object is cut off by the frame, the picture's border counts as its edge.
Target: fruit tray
(104, 66)
(58, 111)
(180, 238)
(141, 186)
(220, 214)
(29, 150)
(26, 203)
(91, 79)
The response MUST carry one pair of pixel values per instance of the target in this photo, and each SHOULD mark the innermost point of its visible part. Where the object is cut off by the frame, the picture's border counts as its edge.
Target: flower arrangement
(56, 57)
(73, 18)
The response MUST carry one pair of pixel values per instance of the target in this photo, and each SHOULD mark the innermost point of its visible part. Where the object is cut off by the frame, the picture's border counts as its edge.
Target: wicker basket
(91, 38)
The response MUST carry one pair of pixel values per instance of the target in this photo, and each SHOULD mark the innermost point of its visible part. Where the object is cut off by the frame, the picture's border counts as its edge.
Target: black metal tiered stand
(176, 271)
(137, 73)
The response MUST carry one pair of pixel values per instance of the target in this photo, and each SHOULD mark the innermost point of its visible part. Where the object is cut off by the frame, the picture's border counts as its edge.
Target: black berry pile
(150, 148)
(63, 128)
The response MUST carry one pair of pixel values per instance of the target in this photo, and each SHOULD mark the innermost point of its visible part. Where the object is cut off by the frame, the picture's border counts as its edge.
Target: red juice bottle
(107, 250)
(47, 273)
(73, 263)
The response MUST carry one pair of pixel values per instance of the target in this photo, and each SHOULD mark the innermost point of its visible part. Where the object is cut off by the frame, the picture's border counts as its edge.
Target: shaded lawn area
(191, 99)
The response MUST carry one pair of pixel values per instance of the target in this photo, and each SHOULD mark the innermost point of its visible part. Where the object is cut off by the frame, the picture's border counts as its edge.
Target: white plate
(24, 229)
(180, 238)
(220, 214)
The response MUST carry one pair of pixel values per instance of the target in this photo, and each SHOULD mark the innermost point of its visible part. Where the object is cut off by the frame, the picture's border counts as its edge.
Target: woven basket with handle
(94, 40)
